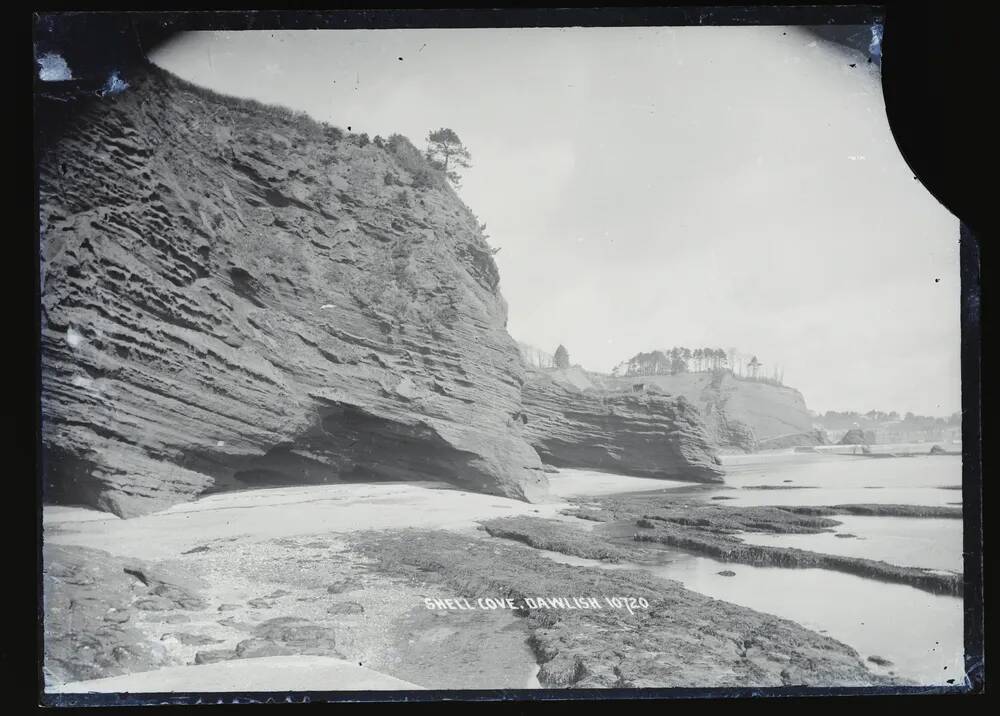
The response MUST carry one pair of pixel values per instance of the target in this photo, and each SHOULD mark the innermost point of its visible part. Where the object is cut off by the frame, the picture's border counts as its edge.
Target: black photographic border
(140, 30)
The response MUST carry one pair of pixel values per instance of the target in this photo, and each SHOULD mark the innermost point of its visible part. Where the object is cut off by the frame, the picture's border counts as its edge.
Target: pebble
(346, 608)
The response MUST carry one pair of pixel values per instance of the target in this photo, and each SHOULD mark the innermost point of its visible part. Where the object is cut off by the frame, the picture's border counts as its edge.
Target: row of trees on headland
(839, 420)
(681, 359)
(678, 359)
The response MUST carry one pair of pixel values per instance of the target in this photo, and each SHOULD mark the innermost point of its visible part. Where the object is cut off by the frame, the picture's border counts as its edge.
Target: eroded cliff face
(572, 422)
(741, 415)
(235, 296)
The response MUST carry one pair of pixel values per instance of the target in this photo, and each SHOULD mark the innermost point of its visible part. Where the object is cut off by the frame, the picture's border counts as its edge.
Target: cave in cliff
(223, 283)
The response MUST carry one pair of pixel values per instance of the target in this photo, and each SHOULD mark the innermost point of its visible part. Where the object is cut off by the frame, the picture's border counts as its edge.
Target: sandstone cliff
(816, 436)
(235, 295)
(741, 415)
(573, 422)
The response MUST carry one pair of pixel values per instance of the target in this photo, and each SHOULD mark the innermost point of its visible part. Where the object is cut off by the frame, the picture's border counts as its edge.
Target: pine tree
(446, 152)
(561, 357)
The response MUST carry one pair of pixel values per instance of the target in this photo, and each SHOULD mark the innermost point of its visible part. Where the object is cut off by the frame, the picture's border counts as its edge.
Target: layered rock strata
(236, 295)
(639, 431)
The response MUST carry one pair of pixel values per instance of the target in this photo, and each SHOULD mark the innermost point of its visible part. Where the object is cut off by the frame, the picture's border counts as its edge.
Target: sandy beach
(249, 562)
(229, 590)
(276, 673)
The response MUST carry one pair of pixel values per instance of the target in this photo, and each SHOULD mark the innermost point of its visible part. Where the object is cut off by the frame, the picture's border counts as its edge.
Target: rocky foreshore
(681, 639)
(713, 530)
(371, 610)
(235, 580)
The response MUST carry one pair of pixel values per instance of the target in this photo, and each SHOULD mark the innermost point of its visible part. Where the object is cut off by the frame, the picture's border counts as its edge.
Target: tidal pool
(920, 633)
(907, 541)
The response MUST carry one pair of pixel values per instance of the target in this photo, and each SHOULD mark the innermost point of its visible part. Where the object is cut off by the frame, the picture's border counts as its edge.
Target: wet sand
(277, 573)
(277, 673)
(270, 554)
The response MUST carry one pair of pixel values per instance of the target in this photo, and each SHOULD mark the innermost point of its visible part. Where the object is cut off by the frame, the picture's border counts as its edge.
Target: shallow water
(907, 541)
(841, 479)
(921, 633)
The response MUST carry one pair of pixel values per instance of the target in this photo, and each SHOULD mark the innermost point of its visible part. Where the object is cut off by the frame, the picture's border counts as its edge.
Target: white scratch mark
(74, 338)
(114, 85)
(53, 68)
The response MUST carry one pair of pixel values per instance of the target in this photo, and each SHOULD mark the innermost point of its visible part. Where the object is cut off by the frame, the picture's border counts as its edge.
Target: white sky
(651, 187)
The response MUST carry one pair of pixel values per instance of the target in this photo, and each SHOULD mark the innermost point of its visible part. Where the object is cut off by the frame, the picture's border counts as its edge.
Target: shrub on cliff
(422, 179)
(331, 133)
(296, 119)
(409, 159)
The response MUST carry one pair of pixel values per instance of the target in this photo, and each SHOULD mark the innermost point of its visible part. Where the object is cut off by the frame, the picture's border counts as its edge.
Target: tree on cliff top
(561, 357)
(446, 152)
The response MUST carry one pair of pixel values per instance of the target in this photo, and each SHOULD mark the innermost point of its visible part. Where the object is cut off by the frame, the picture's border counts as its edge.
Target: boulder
(288, 635)
(92, 606)
(211, 656)
(855, 436)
